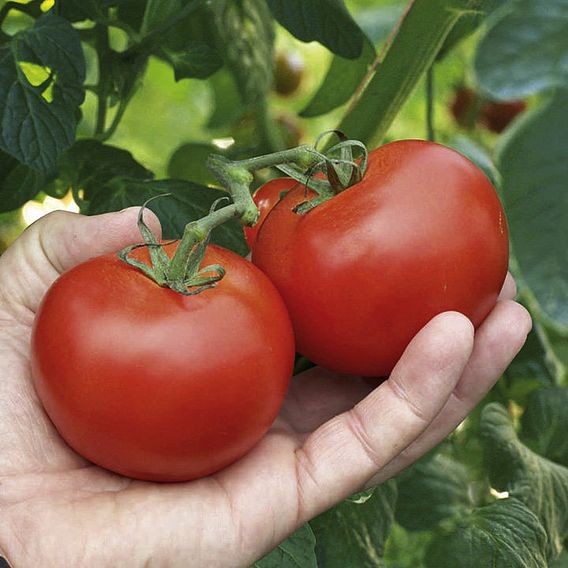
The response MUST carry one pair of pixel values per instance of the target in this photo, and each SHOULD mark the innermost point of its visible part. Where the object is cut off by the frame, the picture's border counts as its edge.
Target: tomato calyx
(181, 273)
(339, 168)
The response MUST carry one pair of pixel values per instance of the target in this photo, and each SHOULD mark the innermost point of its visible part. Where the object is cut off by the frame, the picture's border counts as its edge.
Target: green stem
(122, 106)
(103, 49)
(431, 133)
(183, 270)
(271, 138)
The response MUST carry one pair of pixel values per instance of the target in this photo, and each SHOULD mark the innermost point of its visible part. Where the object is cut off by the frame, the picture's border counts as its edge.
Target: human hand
(335, 434)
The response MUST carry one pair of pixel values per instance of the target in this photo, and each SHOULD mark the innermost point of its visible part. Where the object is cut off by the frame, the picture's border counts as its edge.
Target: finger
(57, 242)
(497, 342)
(509, 290)
(343, 454)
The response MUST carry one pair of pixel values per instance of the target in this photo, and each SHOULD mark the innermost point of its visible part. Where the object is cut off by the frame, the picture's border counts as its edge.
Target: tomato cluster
(159, 385)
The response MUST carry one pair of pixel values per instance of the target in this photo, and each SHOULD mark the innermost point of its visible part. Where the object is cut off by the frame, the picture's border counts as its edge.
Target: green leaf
(18, 183)
(505, 534)
(526, 51)
(468, 24)
(377, 23)
(326, 21)
(432, 491)
(341, 81)
(355, 533)
(158, 12)
(188, 202)
(545, 423)
(90, 165)
(406, 549)
(540, 484)
(419, 39)
(534, 171)
(198, 60)
(246, 39)
(295, 552)
(38, 120)
(227, 104)
(189, 162)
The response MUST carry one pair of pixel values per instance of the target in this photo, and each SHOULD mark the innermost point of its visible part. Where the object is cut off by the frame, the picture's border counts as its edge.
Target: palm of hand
(334, 435)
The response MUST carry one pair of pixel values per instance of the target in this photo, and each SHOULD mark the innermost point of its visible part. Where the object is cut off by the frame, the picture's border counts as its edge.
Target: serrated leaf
(89, 165)
(297, 551)
(325, 21)
(545, 423)
(198, 60)
(534, 171)
(246, 34)
(413, 50)
(188, 202)
(505, 534)
(38, 121)
(526, 51)
(340, 82)
(540, 484)
(354, 534)
(430, 492)
(18, 183)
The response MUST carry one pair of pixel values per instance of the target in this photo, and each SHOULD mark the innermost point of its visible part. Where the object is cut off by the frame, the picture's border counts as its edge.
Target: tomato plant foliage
(75, 117)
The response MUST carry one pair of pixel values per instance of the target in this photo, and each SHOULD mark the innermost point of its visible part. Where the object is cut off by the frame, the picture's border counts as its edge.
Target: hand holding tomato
(333, 436)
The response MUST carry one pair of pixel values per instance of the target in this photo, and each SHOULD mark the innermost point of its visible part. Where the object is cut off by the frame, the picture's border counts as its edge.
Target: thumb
(59, 241)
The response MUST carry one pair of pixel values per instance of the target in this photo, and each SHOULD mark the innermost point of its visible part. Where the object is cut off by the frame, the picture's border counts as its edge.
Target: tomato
(155, 385)
(288, 72)
(468, 108)
(496, 115)
(465, 107)
(265, 198)
(422, 233)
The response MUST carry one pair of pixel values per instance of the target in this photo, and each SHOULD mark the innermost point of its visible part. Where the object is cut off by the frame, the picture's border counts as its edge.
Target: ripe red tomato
(497, 115)
(265, 198)
(362, 273)
(155, 385)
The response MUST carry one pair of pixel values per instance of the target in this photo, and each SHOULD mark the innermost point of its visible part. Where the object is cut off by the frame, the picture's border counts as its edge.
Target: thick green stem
(183, 270)
(103, 49)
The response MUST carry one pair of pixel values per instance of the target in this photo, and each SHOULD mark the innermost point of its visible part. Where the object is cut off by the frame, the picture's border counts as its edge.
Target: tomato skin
(155, 385)
(265, 198)
(361, 274)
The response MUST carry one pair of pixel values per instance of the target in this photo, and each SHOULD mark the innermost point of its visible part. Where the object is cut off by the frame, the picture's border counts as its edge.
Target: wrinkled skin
(422, 233)
(156, 385)
(334, 434)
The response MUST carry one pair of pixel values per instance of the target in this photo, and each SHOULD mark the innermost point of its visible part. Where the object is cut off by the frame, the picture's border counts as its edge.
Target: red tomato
(266, 197)
(155, 385)
(361, 274)
(497, 115)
